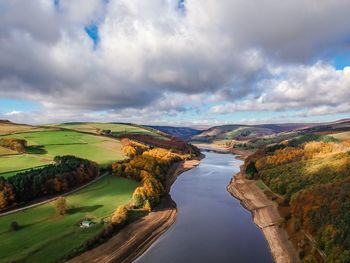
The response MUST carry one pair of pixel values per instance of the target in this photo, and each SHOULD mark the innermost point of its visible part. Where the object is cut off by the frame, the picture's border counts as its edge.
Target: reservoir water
(211, 225)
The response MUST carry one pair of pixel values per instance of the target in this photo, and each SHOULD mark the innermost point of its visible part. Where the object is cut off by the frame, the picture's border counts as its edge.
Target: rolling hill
(185, 133)
(244, 132)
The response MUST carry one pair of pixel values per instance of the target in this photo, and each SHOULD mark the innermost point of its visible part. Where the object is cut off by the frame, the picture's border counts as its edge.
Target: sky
(174, 62)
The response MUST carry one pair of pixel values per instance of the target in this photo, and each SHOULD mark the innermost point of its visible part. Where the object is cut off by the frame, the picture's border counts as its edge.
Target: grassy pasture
(116, 128)
(20, 162)
(45, 236)
(45, 145)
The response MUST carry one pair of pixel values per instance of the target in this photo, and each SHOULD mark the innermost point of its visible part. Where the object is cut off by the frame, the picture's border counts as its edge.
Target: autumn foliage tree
(61, 205)
(147, 206)
(18, 145)
(7, 194)
(120, 216)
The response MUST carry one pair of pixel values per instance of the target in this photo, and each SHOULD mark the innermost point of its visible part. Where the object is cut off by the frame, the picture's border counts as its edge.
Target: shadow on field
(83, 209)
(36, 149)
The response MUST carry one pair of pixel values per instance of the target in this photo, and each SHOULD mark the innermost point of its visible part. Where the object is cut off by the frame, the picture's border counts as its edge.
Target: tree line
(66, 173)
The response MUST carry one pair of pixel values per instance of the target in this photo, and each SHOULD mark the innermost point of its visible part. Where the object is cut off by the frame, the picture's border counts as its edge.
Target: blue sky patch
(9, 105)
(181, 5)
(342, 60)
(92, 31)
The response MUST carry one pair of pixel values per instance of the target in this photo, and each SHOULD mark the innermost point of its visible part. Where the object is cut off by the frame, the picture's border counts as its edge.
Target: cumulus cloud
(156, 57)
(320, 88)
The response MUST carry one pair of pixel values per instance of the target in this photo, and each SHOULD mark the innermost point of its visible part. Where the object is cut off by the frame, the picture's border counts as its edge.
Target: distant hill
(244, 132)
(185, 133)
(336, 126)
(7, 127)
(5, 121)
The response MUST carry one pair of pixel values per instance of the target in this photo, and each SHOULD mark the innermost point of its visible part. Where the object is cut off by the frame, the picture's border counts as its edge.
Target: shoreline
(265, 214)
(135, 238)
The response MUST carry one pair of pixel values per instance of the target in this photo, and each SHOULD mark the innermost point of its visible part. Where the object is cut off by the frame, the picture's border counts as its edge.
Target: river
(211, 225)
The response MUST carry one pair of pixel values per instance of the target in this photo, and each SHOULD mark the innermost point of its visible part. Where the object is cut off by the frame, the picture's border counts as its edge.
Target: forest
(67, 172)
(312, 175)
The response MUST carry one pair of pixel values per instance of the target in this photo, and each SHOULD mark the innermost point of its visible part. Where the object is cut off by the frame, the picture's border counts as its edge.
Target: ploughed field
(43, 234)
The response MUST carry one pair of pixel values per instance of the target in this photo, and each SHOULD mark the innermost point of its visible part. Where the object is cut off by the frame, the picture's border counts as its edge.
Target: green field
(45, 145)
(46, 237)
(20, 162)
(116, 128)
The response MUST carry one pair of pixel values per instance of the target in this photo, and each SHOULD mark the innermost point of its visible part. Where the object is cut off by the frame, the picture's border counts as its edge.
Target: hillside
(43, 145)
(106, 173)
(7, 127)
(252, 137)
(99, 142)
(329, 127)
(236, 133)
(308, 176)
(114, 129)
(185, 133)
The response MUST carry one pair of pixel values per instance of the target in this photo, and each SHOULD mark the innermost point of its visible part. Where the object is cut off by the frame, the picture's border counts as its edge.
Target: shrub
(251, 170)
(14, 226)
(148, 206)
(61, 205)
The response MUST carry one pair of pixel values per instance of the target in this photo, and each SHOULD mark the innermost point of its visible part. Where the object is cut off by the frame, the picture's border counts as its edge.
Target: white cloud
(13, 113)
(320, 88)
(255, 54)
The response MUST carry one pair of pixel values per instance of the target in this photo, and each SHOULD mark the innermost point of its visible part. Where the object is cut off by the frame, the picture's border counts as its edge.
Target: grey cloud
(31, 18)
(150, 51)
(320, 88)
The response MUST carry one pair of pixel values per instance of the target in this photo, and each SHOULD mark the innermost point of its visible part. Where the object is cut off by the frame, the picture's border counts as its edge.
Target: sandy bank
(265, 216)
(135, 238)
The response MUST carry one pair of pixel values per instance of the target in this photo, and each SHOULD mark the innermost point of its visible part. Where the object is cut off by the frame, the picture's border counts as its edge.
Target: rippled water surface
(211, 226)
